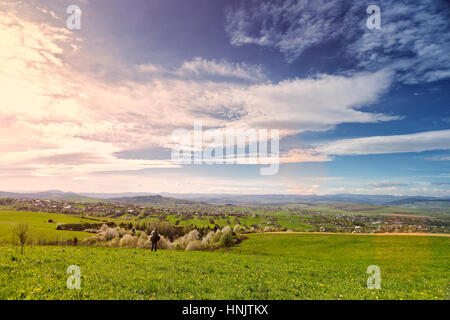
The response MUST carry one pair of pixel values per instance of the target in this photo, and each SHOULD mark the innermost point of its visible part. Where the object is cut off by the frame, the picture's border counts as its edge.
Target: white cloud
(290, 26)
(439, 158)
(58, 121)
(313, 104)
(416, 142)
(417, 33)
(199, 66)
(200, 69)
(49, 12)
(303, 155)
(387, 184)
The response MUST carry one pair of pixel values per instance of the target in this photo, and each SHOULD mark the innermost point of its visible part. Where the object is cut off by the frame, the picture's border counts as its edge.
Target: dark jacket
(154, 236)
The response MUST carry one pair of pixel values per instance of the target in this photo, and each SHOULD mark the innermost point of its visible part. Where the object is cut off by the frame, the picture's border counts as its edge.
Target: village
(250, 219)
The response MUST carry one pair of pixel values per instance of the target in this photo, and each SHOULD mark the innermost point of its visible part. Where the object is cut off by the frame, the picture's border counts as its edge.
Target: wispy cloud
(200, 69)
(416, 142)
(439, 158)
(63, 121)
(414, 37)
(199, 66)
(440, 183)
(290, 26)
(59, 119)
(385, 184)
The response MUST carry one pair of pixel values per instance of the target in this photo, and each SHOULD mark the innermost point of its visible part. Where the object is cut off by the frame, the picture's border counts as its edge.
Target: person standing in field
(154, 238)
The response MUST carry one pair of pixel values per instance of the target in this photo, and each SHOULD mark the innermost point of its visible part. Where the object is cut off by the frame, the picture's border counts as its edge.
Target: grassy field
(40, 228)
(290, 222)
(266, 266)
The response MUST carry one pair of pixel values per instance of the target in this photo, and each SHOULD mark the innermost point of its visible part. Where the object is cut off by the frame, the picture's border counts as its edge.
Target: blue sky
(359, 110)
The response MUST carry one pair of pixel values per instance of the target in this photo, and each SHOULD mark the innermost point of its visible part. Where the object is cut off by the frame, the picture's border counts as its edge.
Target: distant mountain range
(50, 194)
(273, 199)
(198, 198)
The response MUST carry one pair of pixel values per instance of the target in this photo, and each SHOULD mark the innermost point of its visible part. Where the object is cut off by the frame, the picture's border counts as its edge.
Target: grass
(287, 221)
(39, 227)
(266, 266)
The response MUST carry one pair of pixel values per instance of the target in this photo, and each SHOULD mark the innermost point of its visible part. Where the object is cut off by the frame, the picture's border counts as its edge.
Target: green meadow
(265, 266)
(290, 222)
(40, 228)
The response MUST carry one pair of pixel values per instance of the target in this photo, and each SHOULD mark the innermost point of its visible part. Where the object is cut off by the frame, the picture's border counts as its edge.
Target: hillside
(155, 200)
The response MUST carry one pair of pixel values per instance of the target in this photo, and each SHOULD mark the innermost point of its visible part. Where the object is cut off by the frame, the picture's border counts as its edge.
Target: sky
(96, 109)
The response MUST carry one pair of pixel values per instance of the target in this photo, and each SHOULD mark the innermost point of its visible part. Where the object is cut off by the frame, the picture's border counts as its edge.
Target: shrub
(99, 237)
(91, 230)
(128, 241)
(143, 243)
(176, 245)
(237, 228)
(111, 233)
(192, 235)
(115, 242)
(89, 241)
(142, 234)
(216, 237)
(182, 242)
(226, 229)
(207, 239)
(165, 229)
(164, 243)
(191, 241)
(226, 240)
(122, 231)
(194, 245)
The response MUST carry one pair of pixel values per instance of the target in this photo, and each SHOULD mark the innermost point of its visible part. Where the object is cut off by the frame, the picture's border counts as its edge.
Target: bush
(143, 243)
(89, 241)
(226, 240)
(165, 229)
(99, 237)
(115, 242)
(194, 245)
(207, 239)
(191, 241)
(164, 243)
(192, 235)
(237, 228)
(111, 233)
(226, 229)
(182, 242)
(128, 241)
(216, 237)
